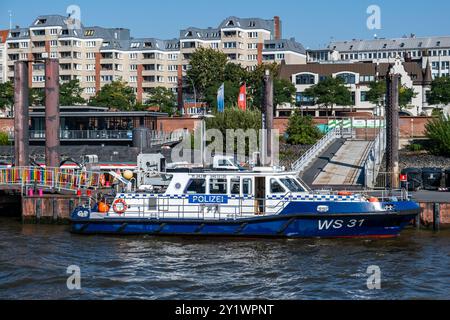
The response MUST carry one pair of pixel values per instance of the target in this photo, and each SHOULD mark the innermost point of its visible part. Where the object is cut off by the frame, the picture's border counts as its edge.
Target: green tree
(207, 69)
(302, 130)
(438, 131)
(440, 91)
(378, 89)
(235, 119)
(116, 95)
(284, 92)
(36, 96)
(6, 95)
(70, 93)
(330, 92)
(164, 98)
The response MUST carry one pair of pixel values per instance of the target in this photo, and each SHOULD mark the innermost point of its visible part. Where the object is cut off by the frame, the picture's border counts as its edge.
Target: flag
(221, 98)
(242, 100)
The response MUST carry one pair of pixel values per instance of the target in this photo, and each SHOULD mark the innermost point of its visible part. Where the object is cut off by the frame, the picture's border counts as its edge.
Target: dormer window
(385, 46)
(438, 44)
(148, 45)
(402, 45)
(420, 44)
(135, 45)
(230, 23)
(89, 33)
(40, 21)
(252, 24)
(199, 35)
(188, 34)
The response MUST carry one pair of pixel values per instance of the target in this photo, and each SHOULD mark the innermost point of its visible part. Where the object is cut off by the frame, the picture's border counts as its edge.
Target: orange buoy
(103, 207)
(345, 193)
(373, 199)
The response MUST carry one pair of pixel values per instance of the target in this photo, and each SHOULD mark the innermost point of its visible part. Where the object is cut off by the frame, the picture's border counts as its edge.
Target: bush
(4, 141)
(438, 131)
(415, 147)
(302, 130)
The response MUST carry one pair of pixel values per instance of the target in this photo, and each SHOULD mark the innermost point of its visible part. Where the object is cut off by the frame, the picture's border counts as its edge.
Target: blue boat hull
(384, 225)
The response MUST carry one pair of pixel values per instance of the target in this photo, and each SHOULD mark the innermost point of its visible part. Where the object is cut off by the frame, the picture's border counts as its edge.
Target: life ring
(120, 206)
(345, 193)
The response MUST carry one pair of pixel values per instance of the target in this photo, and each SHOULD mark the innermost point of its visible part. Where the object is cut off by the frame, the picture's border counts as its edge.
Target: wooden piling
(436, 216)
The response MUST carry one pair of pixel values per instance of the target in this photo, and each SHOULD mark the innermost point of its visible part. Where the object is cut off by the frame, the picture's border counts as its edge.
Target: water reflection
(34, 259)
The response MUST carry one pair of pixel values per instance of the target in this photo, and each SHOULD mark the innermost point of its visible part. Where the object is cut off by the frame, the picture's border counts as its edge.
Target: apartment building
(96, 56)
(3, 36)
(357, 77)
(408, 48)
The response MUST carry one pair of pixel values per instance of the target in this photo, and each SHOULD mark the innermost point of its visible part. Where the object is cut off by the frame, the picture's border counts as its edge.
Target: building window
(364, 96)
(38, 78)
(253, 35)
(133, 79)
(90, 55)
(349, 78)
(89, 90)
(229, 45)
(90, 44)
(133, 56)
(90, 79)
(304, 101)
(133, 67)
(304, 79)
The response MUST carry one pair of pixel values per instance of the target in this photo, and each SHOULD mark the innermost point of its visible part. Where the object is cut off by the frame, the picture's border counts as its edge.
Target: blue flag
(221, 98)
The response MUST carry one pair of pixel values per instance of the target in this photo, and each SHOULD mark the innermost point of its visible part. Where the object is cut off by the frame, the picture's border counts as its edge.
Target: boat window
(196, 186)
(235, 186)
(247, 186)
(292, 185)
(275, 187)
(218, 186)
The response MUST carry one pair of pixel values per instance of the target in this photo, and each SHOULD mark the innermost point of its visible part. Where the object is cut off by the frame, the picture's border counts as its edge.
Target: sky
(312, 23)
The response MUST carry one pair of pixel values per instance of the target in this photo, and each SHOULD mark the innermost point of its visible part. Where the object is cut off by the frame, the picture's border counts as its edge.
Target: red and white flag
(242, 100)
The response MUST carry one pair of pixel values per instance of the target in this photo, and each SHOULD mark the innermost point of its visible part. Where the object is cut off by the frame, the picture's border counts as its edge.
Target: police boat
(262, 202)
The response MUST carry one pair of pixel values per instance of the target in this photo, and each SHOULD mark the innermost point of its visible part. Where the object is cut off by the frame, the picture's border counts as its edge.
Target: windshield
(292, 185)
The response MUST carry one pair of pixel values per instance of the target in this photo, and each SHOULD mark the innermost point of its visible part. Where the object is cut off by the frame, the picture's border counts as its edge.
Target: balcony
(80, 135)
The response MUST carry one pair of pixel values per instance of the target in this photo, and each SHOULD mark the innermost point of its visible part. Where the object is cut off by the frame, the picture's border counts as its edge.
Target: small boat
(261, 202)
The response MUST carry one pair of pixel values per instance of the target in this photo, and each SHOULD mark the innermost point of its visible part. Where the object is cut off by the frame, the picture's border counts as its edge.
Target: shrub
(438, 131)
(302, 130)
(415, 147)
(4, 141)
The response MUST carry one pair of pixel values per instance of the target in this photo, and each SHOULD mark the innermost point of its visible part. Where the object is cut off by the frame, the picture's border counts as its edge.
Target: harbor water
(34, 261)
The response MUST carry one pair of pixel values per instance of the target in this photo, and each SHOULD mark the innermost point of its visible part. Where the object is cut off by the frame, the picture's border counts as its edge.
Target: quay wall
(428, 214)
(48, 209)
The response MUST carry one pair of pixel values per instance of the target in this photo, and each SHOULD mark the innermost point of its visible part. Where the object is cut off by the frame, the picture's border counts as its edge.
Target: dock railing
(57, 179)
(374, 160)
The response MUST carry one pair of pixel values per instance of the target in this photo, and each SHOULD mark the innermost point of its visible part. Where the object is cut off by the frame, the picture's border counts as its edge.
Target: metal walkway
(346, 167)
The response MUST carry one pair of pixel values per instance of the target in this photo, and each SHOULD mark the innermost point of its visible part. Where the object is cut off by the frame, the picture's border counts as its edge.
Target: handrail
(374, 159)
(51, 178)
(301, 163)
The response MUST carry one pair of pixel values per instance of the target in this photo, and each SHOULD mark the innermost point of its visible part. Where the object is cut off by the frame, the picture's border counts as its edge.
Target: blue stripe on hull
(358, 225)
